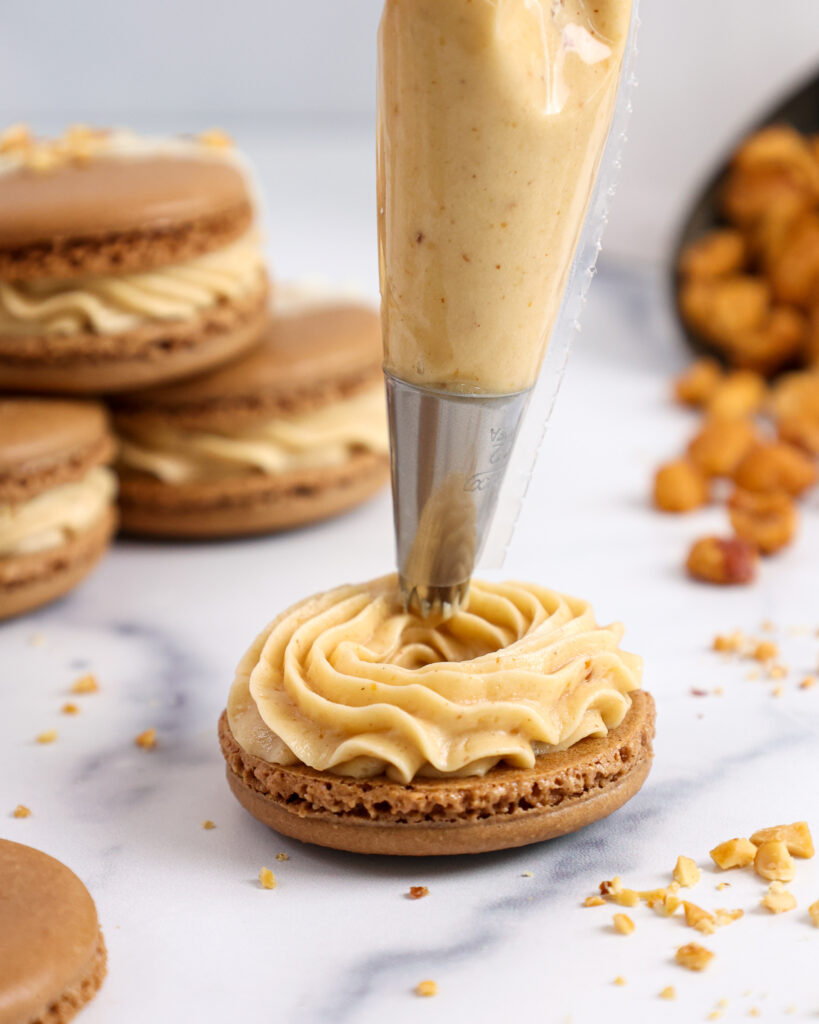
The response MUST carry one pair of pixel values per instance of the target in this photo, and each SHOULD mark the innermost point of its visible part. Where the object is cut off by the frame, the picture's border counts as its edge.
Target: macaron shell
(302, 361)
(508, 807)
(34, 431)
(50, 942)
(83, 218)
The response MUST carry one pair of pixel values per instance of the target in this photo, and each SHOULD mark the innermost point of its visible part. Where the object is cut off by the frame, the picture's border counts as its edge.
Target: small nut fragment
(623, 924)
(426, 989)
(86, 684)
(796, 837)
(734, 853)
(21, 811)
(721, 444)
(726, 562)
(773, 862)
(686, 872)
(777, 899)
(766, 650)
(696, 384)
(215, 138)
(208, 825)
(694, 957)
(626, 898)
(49, 736)
(813, 910)
(282, 856)
(729, 643)
(680, 486)
(776, 466)
(146, 739)
(620, 981)
(807, 683)
(696, 917)
(724, 917)
(738, 394)
(611, 887)
(70, 709)
(267, 880)
(594, 901)
(669, 992)
(766, 519)
(418, 892)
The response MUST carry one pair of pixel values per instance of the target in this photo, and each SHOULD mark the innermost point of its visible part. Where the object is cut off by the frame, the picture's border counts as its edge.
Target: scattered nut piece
(778, 671)
(208, 825)
(594, 901)
(49, 736)
(796, 837)
(626, 898)
(620, 980)
(611, 887)
(724, 917)
(696, 384)
(754, 1012)
(21, 811)
(773, 862)
(696, 917)
(680, 486)
(282, 856)
(723, 885)
(807, 683)
(418, 892)
(267, 879)
(147, 739)
(693, 956)
(426, 989)
(669, 992)
(813, 910)
(70, 709)
(778, 691)
(722, 561)
(686, 872)
(734, 853)
(729, 643)
(777, 899)
(623, 924)
(86, 684)
(765, 651)
(714, 1015)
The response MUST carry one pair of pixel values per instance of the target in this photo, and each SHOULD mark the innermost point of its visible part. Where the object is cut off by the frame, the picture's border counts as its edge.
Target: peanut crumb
(620, 980)
(714, 1015)
(267, 880)
(594, 901)
(778, 691)
(754, 1012)
(723, 885)
(70, 709)
(686, 872)
(147, 739)
(669, 992)
(21, 811)
(86, 684)
(773, 862)
(696, 917)
(729, 642)
(722, 1004)
(282, 856)
(766, 650)
(807, 683)
(777, 899)
(796, 837)
(626, 898)
(417, 892)
(623, 924)
(734, 853)
(778, 672)
(426, 989)
(724, 917)
(208, 825)
(693, 956)
(49, 736)
(611, 887)
(813, 910)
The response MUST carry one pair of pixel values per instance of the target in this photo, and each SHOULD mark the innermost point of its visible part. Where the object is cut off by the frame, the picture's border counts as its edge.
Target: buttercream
(114, 303)
(350, 683)
(320, 437)
(57, 514)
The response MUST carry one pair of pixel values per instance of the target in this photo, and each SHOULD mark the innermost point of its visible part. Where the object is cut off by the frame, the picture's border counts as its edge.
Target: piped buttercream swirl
(349, 682)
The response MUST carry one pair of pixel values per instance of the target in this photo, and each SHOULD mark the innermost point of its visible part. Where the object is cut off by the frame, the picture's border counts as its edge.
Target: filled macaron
(291, 433)
(124, 261)
(57, 498)
(52, 953)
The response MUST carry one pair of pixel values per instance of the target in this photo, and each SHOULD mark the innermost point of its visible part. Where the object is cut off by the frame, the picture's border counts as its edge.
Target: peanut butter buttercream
(57, 514)
(348, 682)
(320, 437)
(109, 304)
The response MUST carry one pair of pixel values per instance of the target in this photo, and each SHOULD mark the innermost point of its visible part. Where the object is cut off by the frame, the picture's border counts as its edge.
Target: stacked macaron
(133, 268)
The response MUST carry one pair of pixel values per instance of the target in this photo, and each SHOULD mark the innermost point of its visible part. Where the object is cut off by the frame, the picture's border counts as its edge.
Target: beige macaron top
(305, 360)
(48, 932)
(46, 442)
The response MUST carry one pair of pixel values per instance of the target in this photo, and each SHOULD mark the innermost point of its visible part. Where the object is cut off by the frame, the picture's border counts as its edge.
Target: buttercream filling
(111, 304)
(322, 437)
(56, 515)
(350, 683)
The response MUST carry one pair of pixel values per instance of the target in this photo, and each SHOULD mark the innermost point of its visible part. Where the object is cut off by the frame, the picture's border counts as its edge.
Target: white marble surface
(190, 933)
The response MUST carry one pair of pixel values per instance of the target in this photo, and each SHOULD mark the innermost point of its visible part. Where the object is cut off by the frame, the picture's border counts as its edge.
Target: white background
(705, 67)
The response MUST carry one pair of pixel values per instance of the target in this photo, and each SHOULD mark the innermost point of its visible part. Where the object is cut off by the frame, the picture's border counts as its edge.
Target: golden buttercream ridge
(348, 682)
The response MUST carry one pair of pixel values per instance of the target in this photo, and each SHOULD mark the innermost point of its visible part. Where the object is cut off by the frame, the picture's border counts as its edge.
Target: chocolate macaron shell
(507, 807)
(45, 443)
(116, 214)
(303, 361)
(52, 955)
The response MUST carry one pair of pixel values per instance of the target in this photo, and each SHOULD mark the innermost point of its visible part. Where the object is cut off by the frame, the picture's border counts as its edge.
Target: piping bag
(500, 126)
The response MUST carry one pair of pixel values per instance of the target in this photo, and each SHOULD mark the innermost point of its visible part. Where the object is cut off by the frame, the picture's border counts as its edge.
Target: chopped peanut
(282, 856)
(696, 917)
(796, 837)
(765, 651)
(813, 910)
(686, 872)
(766, 519)
(70, 709)
(680, 486)
(21, 811)
(721, 444)
(623, 924)
(773, 862)
(620, 981)
(734, 853)
(696, 384)
(49, 736)
(594, 901)
(147, 739)
(208, 825)
(729, 643)
(725, 562)
(777, 899)
(417, 892)
(694, 957)
(669, 992)
(267, 880)
(724, 917)
(807, 683)
(611, 887)
(426, 989)
(86, 684)
(626, 898)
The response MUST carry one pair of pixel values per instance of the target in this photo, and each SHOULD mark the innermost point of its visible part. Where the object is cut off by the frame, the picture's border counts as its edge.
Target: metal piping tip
(449, 454)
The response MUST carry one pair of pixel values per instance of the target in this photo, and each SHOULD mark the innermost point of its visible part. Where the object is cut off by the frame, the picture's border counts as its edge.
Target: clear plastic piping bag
(567, 326)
